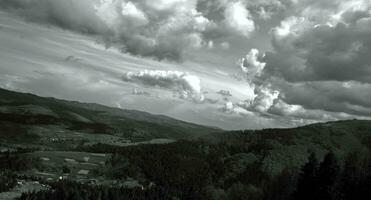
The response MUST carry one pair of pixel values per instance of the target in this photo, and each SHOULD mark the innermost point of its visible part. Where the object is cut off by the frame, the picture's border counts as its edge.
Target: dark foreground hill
(87, 151)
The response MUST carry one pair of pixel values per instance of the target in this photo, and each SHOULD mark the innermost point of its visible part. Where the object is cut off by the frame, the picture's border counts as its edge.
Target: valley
(54, 147)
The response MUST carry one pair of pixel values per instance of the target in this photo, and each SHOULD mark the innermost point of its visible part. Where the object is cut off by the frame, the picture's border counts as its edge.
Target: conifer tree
(307, 182)
(328, 173)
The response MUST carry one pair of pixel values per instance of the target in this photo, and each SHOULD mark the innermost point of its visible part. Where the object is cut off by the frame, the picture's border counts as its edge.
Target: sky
(233, 64)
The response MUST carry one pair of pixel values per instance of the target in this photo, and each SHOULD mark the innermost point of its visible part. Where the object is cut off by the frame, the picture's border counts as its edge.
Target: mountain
(29, 115)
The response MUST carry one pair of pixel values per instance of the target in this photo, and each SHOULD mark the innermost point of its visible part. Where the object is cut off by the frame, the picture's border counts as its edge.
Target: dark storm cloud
(324, 52)
(332, 96)
(76, 15)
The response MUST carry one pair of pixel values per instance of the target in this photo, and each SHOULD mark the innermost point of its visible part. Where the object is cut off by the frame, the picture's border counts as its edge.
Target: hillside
(289, 148)
(29, 115)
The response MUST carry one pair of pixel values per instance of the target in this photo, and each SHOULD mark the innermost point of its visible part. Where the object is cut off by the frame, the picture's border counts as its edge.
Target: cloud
(309, 60)
(135, 91)
(281, 108)
(323, 61)
(211, 101)
(235, 109)
(319, 65)
(312, 52)
(228, 107)
(264, 98)
(331, 96)
(225, 45)
(238, 18)
(133, 14)
(224, 93)
(155, 28)
(186, 85)
(251, 66)
(232, 18)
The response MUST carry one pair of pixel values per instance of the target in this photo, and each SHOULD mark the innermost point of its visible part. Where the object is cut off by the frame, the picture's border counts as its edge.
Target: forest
(196, 170)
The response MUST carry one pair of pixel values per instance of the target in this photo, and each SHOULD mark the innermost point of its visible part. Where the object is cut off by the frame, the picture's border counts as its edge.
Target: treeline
(197, 170)
(17, 160)
(10, 163)
(328, 180)
(8, 180)
(68, 190)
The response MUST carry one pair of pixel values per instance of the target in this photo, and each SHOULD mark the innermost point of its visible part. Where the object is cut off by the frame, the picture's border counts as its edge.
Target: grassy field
(66, 164)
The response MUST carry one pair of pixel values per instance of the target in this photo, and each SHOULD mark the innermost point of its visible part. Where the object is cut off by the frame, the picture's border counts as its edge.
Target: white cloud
(200, 22)
(136, 91)
(264, 96)
(210, 44)
(130, 11)
(264, 99)
(225, 45)
(238, 18)
(251, 66)
(228, 107)
(186, 85)
(289, 26)
(235, 109)
(176, 5)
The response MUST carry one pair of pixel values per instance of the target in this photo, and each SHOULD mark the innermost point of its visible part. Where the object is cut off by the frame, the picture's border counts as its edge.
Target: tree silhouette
(328, 173)
(280, 187)
(307, 182)
(355, 178)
